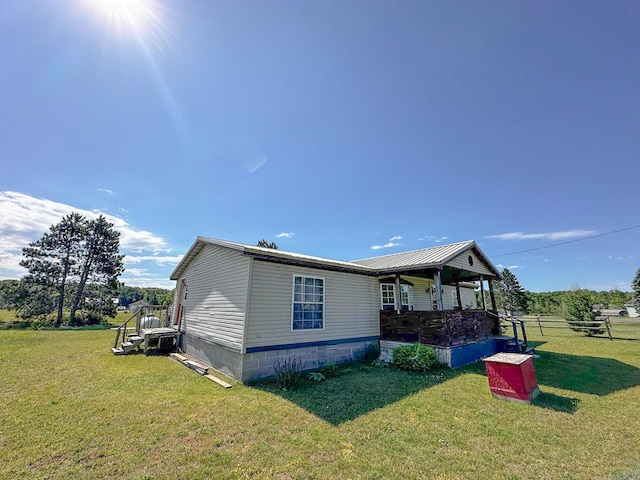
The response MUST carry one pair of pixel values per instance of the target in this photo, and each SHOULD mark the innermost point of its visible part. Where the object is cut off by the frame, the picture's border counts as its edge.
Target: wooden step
(117, 351)
(135, 339)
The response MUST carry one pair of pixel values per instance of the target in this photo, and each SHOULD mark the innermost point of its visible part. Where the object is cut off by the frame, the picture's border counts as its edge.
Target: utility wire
(565, 243)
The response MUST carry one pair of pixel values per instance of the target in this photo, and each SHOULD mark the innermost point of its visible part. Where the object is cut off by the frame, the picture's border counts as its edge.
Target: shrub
(288, 373)
(315, 377)
(330, 370)
(416, 357)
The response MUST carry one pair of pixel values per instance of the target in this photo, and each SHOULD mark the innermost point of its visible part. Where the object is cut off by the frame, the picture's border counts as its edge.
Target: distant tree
(9, 294)
(579, 311)
(264, 243)
(100, 263)
(510, 296)
(52, 259)
(74, 253)
(635, 286)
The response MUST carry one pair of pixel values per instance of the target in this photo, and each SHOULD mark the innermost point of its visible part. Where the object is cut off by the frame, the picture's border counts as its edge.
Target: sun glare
(140, 18)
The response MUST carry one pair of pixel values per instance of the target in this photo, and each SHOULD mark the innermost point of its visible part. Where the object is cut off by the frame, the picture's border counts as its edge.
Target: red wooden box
(512, 377)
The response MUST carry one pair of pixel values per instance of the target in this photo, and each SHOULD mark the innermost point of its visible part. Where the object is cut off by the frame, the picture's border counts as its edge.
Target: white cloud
(389, 244)
(508, 267)
(568, 234)
(24, 219)
(158, 259)
(431, 238)
(285, 235)
(106, 190)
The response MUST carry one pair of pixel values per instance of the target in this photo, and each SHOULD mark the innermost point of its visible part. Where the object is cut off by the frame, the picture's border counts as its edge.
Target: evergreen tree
(53, 259)
(100, 262)
(510, 296)
(635, 286)
(579, 311)
(74, 253)
(264, 243)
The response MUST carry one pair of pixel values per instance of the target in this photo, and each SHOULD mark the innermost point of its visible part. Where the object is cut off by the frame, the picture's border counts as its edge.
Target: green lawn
(70, 409)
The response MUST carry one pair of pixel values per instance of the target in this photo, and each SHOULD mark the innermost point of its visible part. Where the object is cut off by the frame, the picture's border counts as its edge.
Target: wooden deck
(152, 334)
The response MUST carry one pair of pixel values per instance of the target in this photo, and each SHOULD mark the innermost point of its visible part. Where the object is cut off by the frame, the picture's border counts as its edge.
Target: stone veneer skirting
(260, 362)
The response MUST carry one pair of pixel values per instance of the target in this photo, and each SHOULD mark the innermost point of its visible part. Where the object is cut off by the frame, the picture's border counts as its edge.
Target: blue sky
(337, 129)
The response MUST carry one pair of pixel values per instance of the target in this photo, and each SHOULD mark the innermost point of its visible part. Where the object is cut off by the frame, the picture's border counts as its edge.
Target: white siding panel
(462, 262)
(351, 306)
(421, 292)
(216, 302)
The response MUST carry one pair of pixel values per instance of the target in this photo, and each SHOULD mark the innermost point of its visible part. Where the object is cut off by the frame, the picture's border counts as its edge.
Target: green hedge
(416, 357)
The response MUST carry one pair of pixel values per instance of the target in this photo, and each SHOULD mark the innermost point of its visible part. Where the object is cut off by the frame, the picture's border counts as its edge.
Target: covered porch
(441, 296)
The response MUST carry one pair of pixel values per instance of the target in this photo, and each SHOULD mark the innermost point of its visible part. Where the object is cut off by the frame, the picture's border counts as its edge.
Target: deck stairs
(518, 343)
(151, 330)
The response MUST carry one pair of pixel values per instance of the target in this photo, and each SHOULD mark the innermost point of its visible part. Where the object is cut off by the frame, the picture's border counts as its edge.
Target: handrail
(123, 327)
(514, 322)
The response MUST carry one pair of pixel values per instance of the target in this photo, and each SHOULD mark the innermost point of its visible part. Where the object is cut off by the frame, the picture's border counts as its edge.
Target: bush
(416, 357)
(330, 370)
(579, 312)
(288, 373)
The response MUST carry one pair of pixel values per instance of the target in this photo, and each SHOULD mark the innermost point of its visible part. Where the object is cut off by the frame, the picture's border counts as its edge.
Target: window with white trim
(387, 294)
(388, 297)
(308, 303)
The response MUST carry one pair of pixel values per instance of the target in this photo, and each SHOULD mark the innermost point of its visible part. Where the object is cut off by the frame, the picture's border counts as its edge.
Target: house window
(308, 303)
(388, 298)
(454, 299)
(387, 292)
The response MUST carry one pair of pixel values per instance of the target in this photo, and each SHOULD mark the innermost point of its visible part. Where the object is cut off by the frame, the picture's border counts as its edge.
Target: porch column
(440, 289)
(484, 302)
(493, 297)
(397, 298)
(458, 295)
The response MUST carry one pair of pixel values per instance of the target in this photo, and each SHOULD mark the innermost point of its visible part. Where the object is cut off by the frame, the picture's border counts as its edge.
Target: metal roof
(425, 258)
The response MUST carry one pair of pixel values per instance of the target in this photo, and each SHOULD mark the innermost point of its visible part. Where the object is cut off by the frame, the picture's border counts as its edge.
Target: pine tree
(100, 261)
(635, 286)
(74, 253)
(264, 243)
(53, 259)
(510, 296)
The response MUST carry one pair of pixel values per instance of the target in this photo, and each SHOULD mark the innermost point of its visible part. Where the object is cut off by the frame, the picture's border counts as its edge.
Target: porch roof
(431, 258)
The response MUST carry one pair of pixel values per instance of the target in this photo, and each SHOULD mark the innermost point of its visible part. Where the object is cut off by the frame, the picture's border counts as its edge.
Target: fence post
(540, 326)
(607, 324)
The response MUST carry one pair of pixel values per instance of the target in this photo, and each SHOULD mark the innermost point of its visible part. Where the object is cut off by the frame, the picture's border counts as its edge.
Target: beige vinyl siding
(462, 262)
(351, 306)
(421, 292)
(214, 309)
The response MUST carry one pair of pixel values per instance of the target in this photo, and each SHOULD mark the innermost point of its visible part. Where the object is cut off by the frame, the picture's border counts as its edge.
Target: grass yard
(70, 409)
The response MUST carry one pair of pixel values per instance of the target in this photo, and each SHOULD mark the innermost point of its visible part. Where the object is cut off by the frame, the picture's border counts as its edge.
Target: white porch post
(484, 303)
(397, 298)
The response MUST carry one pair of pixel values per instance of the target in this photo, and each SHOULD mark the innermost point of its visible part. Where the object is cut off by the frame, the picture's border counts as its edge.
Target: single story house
(242, 308)
(135, 306)
(631, 309)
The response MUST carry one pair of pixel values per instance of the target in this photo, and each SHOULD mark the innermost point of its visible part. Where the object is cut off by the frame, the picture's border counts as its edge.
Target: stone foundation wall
(224, 359)
(259, 365)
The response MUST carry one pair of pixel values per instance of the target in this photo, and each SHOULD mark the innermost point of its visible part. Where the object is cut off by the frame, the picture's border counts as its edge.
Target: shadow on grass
(556, 402)
(362, 390)
(592, 375)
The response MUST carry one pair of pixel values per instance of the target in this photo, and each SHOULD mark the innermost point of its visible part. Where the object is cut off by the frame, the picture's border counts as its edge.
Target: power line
(565, 243)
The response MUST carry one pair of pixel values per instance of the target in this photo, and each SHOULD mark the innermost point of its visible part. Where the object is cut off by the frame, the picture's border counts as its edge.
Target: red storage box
(512, 377)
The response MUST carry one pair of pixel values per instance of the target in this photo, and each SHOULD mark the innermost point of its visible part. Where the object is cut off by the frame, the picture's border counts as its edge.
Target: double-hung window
(308, 303)
(387, 292)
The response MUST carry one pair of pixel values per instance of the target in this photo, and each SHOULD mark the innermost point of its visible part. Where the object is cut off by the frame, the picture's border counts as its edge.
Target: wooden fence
(611, 327)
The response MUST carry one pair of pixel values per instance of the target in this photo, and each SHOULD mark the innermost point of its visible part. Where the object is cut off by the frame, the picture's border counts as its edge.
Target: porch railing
(445, 328)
